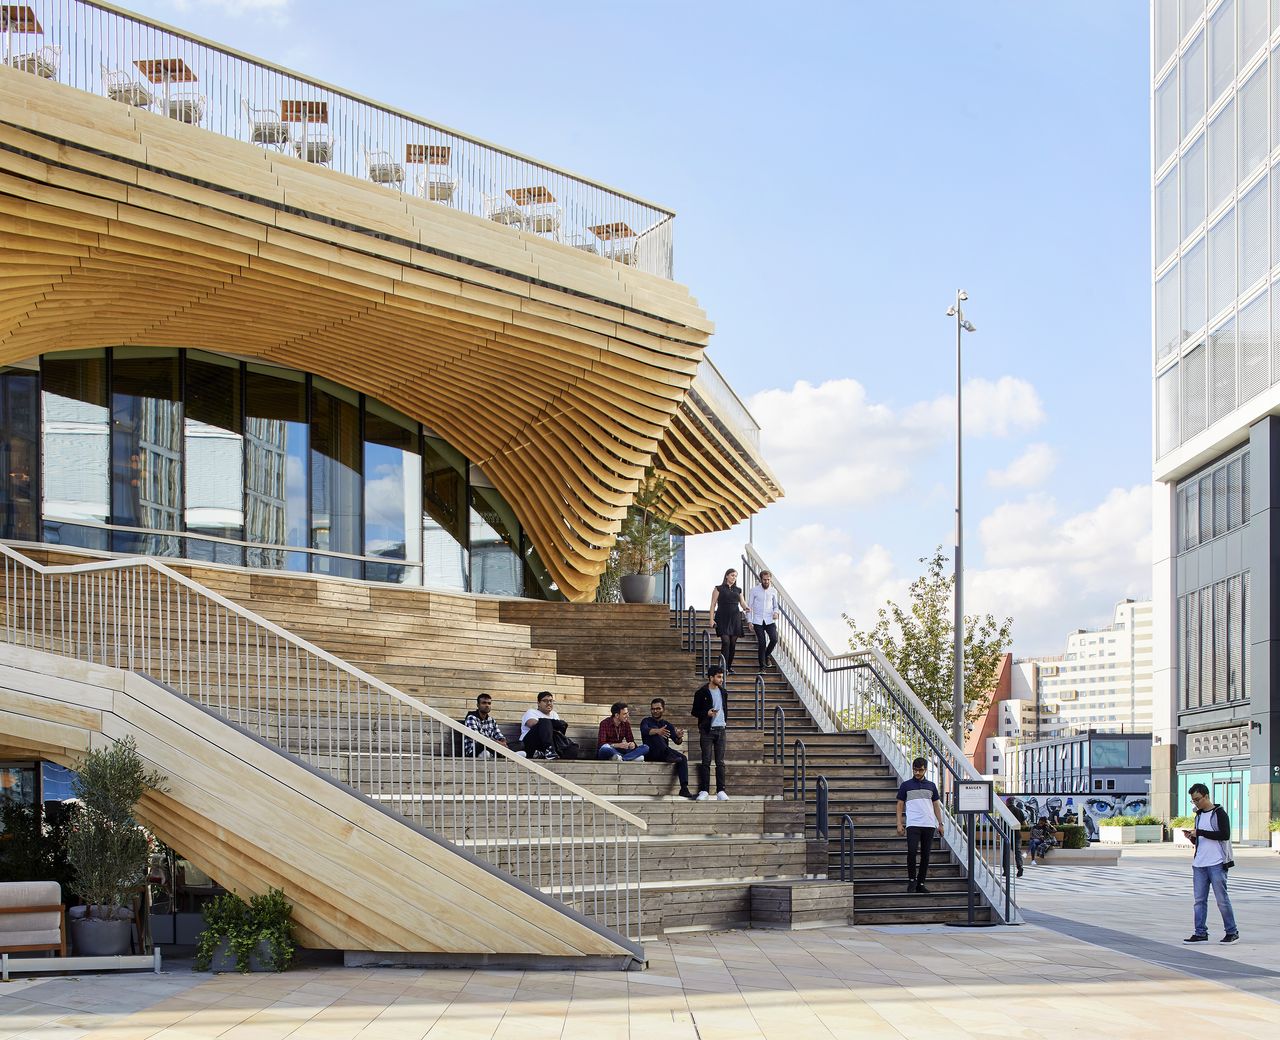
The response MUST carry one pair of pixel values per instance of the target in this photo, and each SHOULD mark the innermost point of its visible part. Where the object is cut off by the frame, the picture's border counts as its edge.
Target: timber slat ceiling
(562, 375)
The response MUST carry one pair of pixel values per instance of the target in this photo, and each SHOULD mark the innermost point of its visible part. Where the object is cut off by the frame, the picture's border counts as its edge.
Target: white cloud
(831, 445)
(1030, 468)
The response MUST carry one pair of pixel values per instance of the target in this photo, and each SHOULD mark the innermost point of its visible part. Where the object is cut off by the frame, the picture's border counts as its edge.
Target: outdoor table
(165, 71)
(306, 113)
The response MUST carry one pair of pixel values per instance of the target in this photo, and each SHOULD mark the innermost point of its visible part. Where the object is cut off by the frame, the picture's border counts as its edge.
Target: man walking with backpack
(1211, 836)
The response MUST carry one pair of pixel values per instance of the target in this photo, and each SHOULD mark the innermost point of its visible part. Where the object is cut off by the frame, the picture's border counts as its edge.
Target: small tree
(919, 643)
(107, 849)
(644, 543)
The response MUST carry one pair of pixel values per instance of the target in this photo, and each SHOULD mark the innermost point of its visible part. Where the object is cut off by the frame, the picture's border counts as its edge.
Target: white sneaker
(722, 796)
(521, 754)
(702, 796)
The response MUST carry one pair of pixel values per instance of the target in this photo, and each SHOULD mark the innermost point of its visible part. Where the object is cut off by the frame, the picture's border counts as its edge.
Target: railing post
(846, 847)
(820, 823)
(779, 732)
(799, 769)
(677, 604)
(706, 651)
(760, 702)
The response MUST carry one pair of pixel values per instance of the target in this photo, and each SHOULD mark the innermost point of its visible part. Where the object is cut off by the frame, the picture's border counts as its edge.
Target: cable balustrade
(861, 691)
(150, 66)
(138, 614)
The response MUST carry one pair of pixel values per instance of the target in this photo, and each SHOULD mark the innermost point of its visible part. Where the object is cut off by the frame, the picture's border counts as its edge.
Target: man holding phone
(1211, 836)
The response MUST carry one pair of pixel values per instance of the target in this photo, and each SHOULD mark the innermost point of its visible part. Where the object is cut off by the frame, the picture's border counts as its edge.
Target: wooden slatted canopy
(562, 375)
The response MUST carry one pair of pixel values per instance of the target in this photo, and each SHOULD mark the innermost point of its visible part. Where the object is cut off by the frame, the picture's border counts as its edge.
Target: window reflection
(19, 452)
(335, 479)
(75, 446)
(392, 494)
(214, 438)
(444, 516)
(496, 566)
(146, 450)
(275, 466)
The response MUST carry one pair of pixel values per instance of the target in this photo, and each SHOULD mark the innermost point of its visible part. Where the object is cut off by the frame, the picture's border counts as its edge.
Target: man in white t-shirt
(1211, 836)
(538, 728)
(762, 612)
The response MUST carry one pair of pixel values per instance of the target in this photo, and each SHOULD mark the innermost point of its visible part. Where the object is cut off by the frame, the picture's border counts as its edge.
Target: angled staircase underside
(359, 878)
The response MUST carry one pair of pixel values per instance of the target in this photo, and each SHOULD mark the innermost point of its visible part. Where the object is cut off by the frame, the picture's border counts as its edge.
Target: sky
(838, 171)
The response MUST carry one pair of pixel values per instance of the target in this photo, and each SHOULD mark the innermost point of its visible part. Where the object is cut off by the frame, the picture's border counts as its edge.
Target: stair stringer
(360, 878)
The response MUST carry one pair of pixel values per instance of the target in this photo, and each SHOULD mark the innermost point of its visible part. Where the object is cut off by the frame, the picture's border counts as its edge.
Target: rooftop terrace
(111, 52)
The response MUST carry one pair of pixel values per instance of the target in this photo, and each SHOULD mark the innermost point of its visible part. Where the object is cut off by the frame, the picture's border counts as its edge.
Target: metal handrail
(845, 861)
(691, 629)
(779, 732)
(706, 651)
(138, 614)
(677, 603)
(349, 133)
(799, 769)
(861, 690)
(822, 798)
(759, 701)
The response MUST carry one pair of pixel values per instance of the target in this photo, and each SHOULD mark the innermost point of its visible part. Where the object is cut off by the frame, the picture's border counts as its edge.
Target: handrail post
(779, 732)
(706, 651)
(676, 603)
(823, 792)
(846, 848)
(799, 769)
(760, 702)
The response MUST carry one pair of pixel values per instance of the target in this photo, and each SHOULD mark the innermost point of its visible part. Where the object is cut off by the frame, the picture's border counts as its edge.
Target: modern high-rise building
(1216, 382)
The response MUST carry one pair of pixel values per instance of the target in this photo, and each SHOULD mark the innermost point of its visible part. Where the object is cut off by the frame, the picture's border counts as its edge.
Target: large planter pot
(1275, 840)
(1149, 832)
(638, 588)
(224, 960)
(95, 937)
(1117, 835)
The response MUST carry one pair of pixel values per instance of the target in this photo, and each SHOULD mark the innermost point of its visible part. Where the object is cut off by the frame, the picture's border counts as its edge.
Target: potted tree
(252, 936)
(107, 849)
(644, 544)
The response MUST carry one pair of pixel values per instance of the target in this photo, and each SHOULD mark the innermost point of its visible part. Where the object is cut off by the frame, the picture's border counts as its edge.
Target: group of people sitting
(544, 735)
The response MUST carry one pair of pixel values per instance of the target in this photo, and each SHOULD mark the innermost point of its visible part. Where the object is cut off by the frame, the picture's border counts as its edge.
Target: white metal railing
(712, 387)
(112, 52)
(861, 690)
(140, 615)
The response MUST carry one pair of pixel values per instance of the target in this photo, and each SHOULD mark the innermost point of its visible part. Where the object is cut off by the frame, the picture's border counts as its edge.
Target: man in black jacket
(1211, 836)
(709, 705)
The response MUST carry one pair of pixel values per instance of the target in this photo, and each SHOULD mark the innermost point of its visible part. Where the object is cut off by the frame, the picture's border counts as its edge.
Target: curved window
(185, 453)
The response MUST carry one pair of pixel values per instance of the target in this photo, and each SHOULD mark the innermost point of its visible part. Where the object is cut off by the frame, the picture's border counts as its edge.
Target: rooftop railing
(712, 387)
(114, 53)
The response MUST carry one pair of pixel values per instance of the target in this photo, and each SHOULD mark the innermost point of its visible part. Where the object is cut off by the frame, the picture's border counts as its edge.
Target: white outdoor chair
(587, 243)
(42, 62)
(502, 210)
(383, 169)
(121, 86)
(437, 184)
(318, 150)
(186, 108)
(266, 126)
(544, 218)
(620, 250)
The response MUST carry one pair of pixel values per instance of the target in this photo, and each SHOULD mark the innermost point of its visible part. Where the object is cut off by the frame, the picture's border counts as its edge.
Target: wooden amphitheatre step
(802, 904)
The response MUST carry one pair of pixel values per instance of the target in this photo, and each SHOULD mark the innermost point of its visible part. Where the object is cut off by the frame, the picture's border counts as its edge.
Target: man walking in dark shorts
(709, 710)
(919, 808)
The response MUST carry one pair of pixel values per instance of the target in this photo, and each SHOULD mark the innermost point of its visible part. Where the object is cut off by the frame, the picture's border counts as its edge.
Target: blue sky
(838, 170)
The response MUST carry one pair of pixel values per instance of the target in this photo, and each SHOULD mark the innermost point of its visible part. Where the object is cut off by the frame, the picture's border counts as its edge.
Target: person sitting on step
(659, 734)
(616, 739)
(1041, 841)
(538, 728)
(483, 723)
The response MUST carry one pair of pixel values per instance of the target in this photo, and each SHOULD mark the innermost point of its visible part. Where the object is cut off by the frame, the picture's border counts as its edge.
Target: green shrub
(1274, 826)
(243, 926)
(1074, 836)
(1120, 821)
(1182, 822)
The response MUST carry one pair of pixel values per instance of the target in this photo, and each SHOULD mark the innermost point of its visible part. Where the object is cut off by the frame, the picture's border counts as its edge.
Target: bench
(31, 917)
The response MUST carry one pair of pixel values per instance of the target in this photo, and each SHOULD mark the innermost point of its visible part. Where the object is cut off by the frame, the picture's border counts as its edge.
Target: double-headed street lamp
(957, 682)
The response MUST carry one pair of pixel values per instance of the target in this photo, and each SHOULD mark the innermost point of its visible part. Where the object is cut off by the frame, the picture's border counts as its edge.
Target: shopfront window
(336, 497)
(276, 435)
(392, 495)
(213, 429)
(444, 516)
(76, 449)
(496, 565)
(146, 450)
(20, 453)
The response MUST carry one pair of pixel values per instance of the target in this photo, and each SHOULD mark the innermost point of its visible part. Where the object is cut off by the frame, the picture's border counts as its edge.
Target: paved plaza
(1103, 958)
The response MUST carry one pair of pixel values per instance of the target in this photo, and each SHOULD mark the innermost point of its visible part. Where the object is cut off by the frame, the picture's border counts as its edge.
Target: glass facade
(1216, 150)
(184, 453)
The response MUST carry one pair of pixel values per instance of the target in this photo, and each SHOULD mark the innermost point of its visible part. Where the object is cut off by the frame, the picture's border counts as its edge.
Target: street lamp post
(957, 681)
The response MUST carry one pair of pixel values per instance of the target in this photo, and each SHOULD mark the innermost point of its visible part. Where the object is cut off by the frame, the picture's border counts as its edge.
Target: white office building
(1215, 142)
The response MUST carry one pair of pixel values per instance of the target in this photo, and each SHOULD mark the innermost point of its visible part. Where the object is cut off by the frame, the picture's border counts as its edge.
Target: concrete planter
(1117, 835)
(1150, 832)
(225, 961)
(638, 588)
(1275, 840)
(1181, 839)
(95, 937)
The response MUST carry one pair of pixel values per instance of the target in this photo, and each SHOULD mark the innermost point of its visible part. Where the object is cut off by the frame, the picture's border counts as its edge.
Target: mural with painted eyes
(1088, 810)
